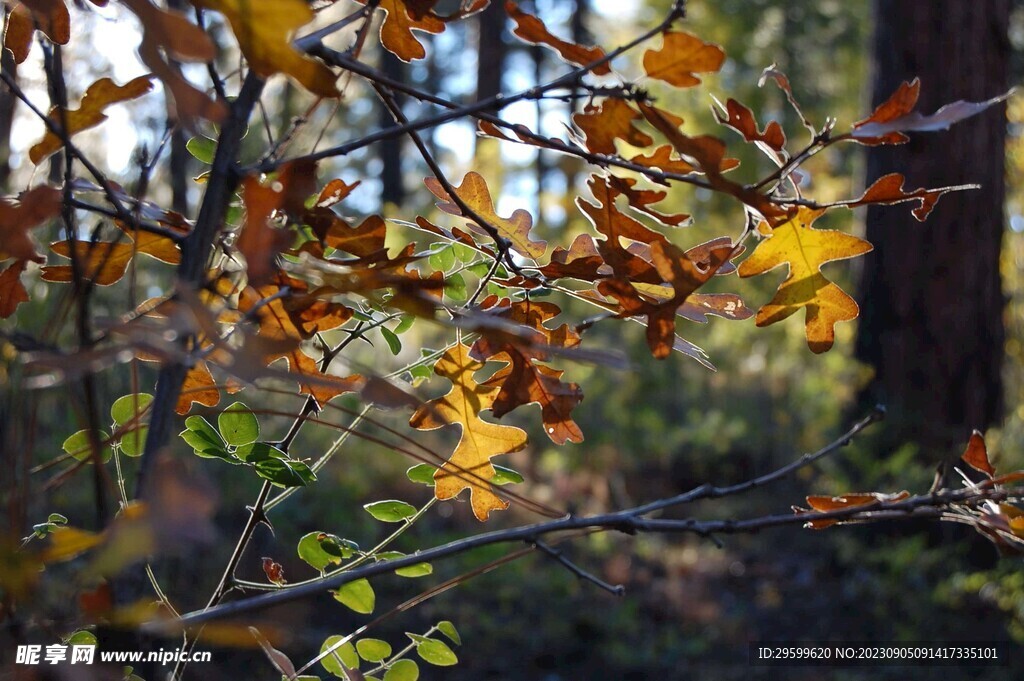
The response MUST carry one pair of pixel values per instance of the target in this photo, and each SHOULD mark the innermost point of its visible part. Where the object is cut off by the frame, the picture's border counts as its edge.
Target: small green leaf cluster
(341, 654)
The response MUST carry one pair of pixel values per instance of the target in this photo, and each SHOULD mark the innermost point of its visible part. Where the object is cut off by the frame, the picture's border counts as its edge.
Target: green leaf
(443, 260)
(390, 511)
(345, 654)
(202, 149)
(405, 323)
(238, 425)
(77, 445)
(433, 651)
(57, 519)
(480, 269)
(311, 549)
(53, 521)
(455, 287)
(464, 252)
(205, 441)
(373, 649)
(393, 341)
(81, 638)
(402, 670)
(422, 473)
(417, 570)
(259, 451)
(420, 373)
(506, 476)
(357, 595)
(449, 630)
(134, 441)
(285, 473)
(124, 408)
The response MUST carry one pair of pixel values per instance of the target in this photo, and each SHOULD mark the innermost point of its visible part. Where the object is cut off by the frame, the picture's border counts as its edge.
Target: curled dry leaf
(18, 215)
(741, 119)
(264, 31)
(532, 30)
(896, 116)
(681, 57)
(101, 94)
(470, 464)
(401, 18)
(825, 504)
(805, 249)
(12, 291)
(976, 455)
(105, 262)
(888, 189)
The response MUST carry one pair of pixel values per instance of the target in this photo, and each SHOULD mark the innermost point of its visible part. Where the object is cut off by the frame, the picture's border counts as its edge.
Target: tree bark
(392, 185)
(931, 318)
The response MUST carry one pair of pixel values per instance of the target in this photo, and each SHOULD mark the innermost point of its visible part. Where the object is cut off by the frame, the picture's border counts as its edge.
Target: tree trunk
(931, 319)
(392, 185)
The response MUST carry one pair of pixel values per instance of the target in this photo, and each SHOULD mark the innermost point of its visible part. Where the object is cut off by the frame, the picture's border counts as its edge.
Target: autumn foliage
(275, 259)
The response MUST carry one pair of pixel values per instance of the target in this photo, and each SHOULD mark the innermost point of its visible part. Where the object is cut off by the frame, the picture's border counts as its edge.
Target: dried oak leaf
(19, 214)
(105, 262)
(264, 30)
(976, 455)
(741, 119)
(610, 121)
(402, 17)
(824, 504)
(680, 57)
(198, 388)
(474, 193)
(523, 380)
(896, 116)
(684, 276)
(532, 30)
(50, 17)
(168, 37)
(283, 195)
(470, 464)
(888, 189)
(805, 249)
(89, 113)
(12, 291)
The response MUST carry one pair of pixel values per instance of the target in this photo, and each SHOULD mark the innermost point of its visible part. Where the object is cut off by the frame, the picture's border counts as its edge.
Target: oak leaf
(19, 214)
(12, 291)
(474, 193)
(198, 388)
(888, 189)
(613, 120)
(101, 94)
(402, 17)
(805, 249)
(264, 30)
(824, 504)
(532, 30)
(680, 57)
(741, 119)
(50, 17)
(976, 455)
(470, 464)
(105, 262)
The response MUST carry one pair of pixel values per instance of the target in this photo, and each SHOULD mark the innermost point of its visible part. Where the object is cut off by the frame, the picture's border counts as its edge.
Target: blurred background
(940, 342)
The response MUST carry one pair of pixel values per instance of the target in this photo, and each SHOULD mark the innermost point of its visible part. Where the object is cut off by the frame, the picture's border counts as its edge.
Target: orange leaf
(12, 291)
(612, 120)
(198, 388)
(824, 504)
(264, 31)
(273, 570)
(680, 57)
(741, 119)
(470, 464)
(976, 455)
(18, 215)
(101, 94)
(532, 30)
(105, 262)
(474, 193)
(805, 249)
(401, 19)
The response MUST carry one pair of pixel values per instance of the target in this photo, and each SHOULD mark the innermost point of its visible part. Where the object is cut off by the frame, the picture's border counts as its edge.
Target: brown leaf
(275, 573)
(12, 291)
(18, 215)
(101, 94)
(640, 200)
(741, 119)
(888, 189)
(532, 30)
(663, 159)
(976, 455)
(613, 120)
(782, 81)
(826, 504)
(105, 262)
(680, 57)
(402, 17)
(523, 381)
(50, 17)
(888, 123)
(198, 388)
(264, 32)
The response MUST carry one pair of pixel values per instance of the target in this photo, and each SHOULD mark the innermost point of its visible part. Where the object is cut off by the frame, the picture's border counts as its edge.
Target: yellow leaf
(67, 543)
(105, 262)
(470, 465)
(680, 57)
(89, 113)
(474, 193)
(264, 29)
(805, 249)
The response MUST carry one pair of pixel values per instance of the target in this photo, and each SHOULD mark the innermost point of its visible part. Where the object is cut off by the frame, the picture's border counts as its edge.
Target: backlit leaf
(357, 595)
(339, 657)
(532, 30)
(402, 670)
(613, 120)
(373, 649)
(434, 651)
(680, 57)
(238, 425)
(805, 249)
(976, 455)
(390, 511)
